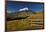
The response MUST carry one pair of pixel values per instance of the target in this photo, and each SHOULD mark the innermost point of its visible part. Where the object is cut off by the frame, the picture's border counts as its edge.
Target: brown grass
(32, 22)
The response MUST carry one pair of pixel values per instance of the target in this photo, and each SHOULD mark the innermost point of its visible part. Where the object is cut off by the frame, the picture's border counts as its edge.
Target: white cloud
(10, 11)
(23, 9)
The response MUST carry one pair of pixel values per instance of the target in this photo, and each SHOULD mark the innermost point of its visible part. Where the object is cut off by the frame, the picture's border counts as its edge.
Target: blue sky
(13, 6)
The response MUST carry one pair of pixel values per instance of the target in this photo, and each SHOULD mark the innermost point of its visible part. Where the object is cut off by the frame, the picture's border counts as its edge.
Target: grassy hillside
(33, 21)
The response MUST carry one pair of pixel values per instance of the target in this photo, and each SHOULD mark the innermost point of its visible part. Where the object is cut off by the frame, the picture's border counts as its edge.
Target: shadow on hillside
(17, 18)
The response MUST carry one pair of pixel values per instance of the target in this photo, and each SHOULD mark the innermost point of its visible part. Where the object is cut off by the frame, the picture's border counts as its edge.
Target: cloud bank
(10, 11)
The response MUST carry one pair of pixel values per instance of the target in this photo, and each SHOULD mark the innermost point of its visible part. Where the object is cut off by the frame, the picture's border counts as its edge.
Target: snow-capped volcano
(23, 9)
(26, 10)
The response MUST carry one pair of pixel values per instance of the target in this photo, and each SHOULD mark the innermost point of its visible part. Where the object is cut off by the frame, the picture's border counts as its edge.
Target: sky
(18, 6)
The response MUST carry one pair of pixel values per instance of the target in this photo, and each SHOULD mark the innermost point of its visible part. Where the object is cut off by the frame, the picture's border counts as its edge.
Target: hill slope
(27, 21)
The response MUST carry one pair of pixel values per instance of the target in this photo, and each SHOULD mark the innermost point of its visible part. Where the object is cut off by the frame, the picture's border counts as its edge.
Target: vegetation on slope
(33, 21)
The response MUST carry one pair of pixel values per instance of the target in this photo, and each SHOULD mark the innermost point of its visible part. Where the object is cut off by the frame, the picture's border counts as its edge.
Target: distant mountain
(26, 11)
(21, 14)
(24, 20)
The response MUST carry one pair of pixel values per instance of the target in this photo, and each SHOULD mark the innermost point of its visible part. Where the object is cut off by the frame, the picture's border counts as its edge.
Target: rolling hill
(25, 20)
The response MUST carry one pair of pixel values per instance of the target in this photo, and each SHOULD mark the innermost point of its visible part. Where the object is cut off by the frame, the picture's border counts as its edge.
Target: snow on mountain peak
(23, 9)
